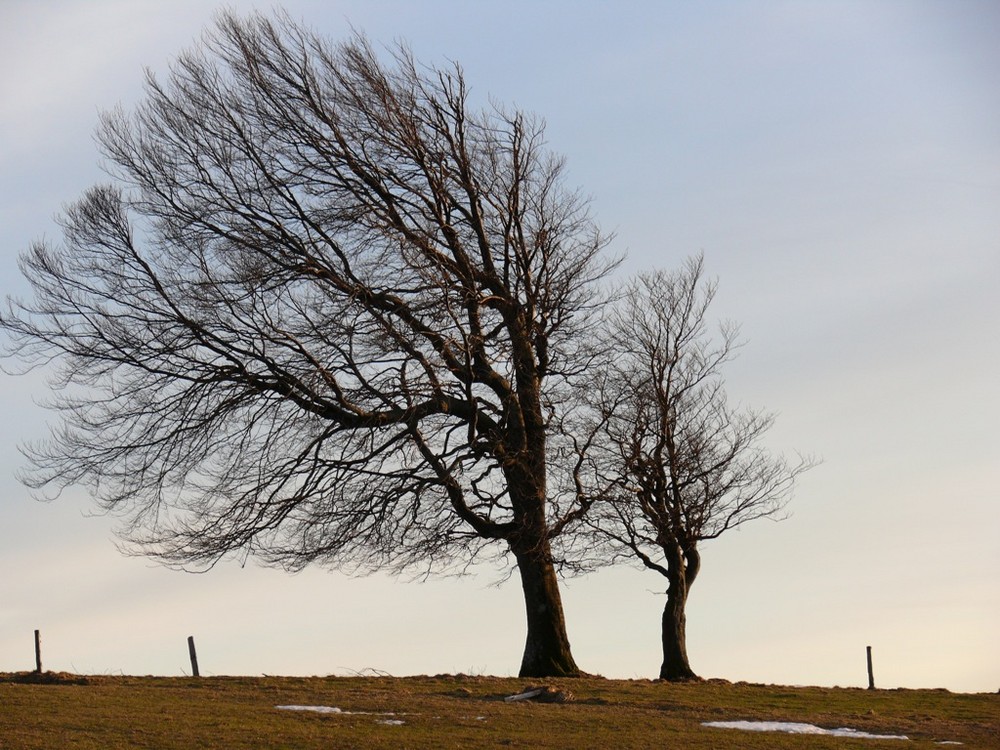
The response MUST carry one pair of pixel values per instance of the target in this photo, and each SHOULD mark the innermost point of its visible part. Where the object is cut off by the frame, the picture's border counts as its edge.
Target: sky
(838, 164)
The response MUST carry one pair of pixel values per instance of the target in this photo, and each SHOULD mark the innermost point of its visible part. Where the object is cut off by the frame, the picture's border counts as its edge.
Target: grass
(164, 713)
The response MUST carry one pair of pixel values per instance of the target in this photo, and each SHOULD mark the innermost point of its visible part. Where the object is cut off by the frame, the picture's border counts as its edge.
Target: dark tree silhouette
(679, 465)
(324, 312)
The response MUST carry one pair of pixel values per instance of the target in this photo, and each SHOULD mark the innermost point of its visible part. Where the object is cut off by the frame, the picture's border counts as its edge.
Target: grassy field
(163, 713)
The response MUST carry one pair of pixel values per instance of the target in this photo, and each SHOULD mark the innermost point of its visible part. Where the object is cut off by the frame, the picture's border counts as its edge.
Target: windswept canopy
(677, 463)
(324, 312)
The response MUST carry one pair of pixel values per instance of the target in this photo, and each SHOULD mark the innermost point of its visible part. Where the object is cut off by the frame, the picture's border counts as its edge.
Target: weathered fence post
(871, 674)
(38, 651)
(194, 656)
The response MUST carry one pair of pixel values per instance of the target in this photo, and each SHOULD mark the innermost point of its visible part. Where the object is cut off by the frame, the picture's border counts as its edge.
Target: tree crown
(325, 311)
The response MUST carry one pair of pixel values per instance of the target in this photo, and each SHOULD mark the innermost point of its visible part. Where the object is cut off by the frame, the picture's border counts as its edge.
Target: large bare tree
(325, 311)
(677, 463)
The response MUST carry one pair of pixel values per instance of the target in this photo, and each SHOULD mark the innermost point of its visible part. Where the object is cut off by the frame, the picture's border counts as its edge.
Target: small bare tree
(678, 464)
(326, 312)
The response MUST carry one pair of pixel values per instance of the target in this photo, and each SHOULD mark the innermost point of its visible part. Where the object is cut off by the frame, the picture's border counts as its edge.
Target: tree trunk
(682, 570)
(546, 648)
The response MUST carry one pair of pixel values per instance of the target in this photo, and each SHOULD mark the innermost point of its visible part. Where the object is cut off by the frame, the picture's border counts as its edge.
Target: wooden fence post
(38, 651)
(194, 656)
(871, 674)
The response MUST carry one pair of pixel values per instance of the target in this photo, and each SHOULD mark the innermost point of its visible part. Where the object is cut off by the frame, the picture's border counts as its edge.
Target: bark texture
(680, 575)
(546, 648)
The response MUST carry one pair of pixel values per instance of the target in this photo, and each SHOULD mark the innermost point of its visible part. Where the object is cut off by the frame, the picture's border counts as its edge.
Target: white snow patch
(342, 712)
(391, 722)
(792, 727)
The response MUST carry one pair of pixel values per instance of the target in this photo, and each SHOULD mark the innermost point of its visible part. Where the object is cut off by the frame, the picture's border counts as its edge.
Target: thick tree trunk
(675, 659)
(682, 570)
(546, 648)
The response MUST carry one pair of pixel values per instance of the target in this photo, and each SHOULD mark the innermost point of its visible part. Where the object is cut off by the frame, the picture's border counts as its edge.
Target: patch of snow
(791, 727)
(342, 712)
(316, 709)
(391, 722)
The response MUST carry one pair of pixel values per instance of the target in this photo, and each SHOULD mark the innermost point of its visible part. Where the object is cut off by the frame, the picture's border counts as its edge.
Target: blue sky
(838, 163)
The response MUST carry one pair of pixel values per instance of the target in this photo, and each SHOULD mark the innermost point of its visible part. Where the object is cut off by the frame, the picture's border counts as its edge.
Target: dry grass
(464, 712)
